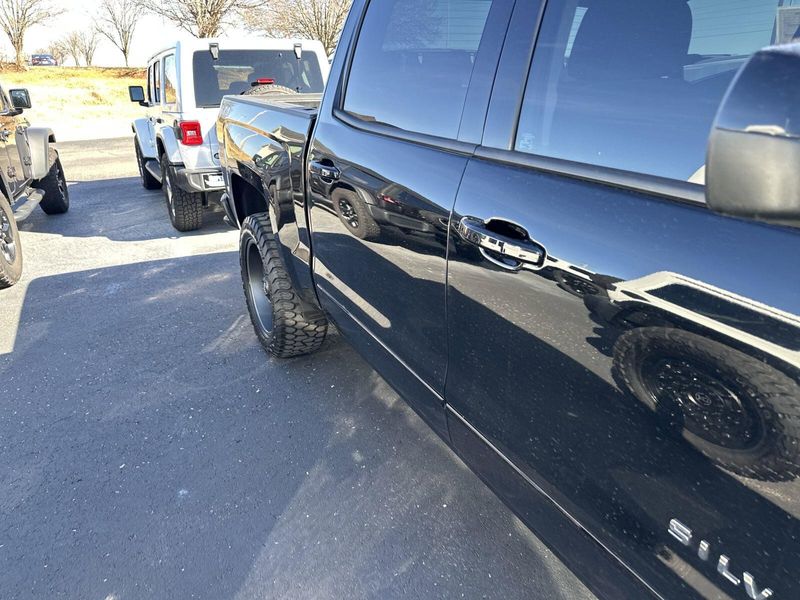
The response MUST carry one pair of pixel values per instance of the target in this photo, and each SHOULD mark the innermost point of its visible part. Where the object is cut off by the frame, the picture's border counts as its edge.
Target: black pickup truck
(566, 232)
(30, 175)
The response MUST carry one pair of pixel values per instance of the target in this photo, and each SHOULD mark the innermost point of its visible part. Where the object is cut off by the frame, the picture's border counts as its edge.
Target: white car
(176, 145)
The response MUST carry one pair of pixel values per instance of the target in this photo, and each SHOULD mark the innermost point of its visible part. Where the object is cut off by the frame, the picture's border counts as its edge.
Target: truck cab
(175, 142)
(565, 231)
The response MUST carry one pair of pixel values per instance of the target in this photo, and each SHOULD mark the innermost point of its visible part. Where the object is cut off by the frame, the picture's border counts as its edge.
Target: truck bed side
(262, 150)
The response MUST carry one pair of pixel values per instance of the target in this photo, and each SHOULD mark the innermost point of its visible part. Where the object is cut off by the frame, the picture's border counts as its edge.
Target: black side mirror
(136, 93)
(20, 98)
(753, 164)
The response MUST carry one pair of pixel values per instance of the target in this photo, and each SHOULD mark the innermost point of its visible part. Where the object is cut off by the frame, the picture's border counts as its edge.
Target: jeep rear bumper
(199, 180)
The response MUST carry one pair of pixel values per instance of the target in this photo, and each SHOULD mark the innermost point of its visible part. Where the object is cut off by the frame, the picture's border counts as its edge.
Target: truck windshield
(237, 70)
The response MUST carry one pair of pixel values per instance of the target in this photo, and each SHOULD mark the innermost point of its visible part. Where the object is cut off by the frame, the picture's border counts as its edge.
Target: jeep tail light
(191, 133)
(264, 81)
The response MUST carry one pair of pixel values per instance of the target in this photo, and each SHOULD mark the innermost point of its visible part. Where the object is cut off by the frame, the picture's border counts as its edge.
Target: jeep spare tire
(268, 88)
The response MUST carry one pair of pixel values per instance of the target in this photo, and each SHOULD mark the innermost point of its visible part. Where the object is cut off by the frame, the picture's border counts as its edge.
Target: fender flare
(144, 136)
(42, 155)
(170, 144)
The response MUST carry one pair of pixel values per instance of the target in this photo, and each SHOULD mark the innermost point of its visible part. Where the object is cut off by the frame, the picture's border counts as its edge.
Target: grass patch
(79, 102)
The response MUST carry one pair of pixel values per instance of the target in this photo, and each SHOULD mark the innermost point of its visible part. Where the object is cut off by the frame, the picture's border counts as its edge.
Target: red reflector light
(191, 133)
(265, 81)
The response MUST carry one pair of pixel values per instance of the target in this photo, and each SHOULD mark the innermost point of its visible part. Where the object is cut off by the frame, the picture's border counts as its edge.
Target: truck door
(389, 149)
(633, 354)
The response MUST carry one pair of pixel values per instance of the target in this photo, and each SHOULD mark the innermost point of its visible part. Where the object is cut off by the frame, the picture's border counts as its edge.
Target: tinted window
(237, 70)
(170, 80)
(413, 62)
(636, 85)
(157, 81)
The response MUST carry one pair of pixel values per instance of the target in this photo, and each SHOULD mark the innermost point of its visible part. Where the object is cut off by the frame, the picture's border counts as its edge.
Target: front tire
(10, 249)
(738, 411)
(56, 193)
(283, 325)
(185, 208)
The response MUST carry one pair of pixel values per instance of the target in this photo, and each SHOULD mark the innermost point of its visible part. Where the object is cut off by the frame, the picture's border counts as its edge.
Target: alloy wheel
(257, 287)
(8, 247)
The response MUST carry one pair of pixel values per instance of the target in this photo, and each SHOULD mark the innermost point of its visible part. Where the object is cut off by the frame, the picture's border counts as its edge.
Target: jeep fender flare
(165, 138)
(147, 143)
(42, 154)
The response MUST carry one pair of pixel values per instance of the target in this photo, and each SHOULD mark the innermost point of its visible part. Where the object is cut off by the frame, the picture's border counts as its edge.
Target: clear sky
(152, 33)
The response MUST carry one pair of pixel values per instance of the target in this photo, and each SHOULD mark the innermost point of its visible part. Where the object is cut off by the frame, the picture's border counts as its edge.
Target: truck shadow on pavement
(150, 449)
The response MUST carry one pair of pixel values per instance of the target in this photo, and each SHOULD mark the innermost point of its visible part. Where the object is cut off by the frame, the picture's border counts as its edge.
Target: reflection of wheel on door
(353, 213)
(575, 285)
(738, 411)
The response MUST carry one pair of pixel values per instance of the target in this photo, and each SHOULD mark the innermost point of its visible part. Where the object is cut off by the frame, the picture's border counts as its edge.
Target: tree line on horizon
(117, 20)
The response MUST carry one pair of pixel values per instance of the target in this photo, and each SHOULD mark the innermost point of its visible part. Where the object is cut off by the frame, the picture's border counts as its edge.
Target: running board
(152, 166)
(27, 203)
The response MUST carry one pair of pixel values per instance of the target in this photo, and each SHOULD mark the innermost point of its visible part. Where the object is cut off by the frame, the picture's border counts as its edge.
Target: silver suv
(175, 143)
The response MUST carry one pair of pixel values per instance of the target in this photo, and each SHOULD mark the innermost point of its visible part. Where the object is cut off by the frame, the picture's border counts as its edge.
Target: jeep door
(632, 354)
(11, 133)
(388, 152)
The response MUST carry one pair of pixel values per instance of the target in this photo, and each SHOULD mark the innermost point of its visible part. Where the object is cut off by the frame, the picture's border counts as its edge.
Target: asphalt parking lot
(150, 449)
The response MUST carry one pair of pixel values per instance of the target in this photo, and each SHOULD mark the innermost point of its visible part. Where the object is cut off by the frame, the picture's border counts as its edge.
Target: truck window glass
(170, 80)
(237, 70)
(413, 61)
(635, 85)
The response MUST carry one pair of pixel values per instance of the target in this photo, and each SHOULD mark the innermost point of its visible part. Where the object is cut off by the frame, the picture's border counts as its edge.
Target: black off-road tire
(268, 88)
(10, 249)
(148, 181)
(354, 215)
(284, 325)
(769, 397)
(185, 209)
(56, 193)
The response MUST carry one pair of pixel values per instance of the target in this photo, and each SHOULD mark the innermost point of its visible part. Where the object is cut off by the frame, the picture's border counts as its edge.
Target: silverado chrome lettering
(683, 534)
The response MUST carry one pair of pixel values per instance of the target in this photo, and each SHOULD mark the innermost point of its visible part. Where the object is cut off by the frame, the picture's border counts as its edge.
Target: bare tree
(117, 21)
(17, 16)
(315, 19)
(87, 45)
(72, 46)
(58, 50)
(201, 18)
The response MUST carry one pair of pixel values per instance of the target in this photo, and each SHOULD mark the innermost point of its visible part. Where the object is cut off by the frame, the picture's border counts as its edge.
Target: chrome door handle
(510, 253)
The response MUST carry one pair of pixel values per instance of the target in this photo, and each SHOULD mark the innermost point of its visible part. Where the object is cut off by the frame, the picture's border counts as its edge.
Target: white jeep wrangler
(176, 144)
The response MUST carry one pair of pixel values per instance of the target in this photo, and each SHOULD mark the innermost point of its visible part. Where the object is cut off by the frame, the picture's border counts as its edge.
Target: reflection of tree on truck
(717, 367)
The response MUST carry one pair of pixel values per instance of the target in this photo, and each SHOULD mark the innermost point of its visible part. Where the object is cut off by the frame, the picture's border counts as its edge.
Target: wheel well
(247, 199)
(159, 148)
